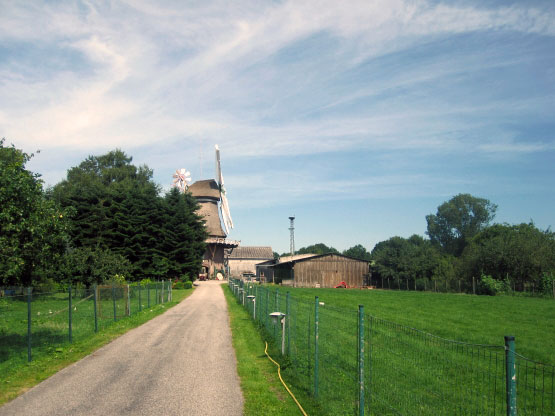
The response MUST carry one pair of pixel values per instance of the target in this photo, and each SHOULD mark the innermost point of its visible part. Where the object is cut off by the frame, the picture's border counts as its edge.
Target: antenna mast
(292, 238)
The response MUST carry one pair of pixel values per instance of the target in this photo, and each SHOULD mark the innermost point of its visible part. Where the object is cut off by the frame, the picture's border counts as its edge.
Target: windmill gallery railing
(355, 363)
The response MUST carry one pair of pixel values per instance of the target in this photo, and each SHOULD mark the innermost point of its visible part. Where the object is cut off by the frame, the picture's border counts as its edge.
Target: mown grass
(466, 318)
(262, 391)
(51, 348)
(406, 370)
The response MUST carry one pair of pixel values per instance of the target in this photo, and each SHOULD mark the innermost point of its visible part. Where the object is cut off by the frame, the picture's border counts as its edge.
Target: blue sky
(357, 117)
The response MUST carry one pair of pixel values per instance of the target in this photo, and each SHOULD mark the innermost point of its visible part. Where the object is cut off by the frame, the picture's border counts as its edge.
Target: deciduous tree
(319, 248)
(33, 230)
(358, 252)
(520, 253)
(458, 220)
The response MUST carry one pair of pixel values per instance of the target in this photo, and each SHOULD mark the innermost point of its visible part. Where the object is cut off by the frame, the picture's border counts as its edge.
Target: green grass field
(467, 318)
(408, 371)
(51, 349)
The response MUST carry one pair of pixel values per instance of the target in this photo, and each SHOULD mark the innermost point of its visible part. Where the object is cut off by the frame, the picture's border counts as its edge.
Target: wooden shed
(324, 270)
(265, 271)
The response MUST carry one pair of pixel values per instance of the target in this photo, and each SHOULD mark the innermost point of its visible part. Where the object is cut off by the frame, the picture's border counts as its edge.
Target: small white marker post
(253, 299)
(280, 316)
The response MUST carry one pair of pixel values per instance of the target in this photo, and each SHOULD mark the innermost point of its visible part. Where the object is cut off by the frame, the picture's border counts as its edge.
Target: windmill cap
(206, 188)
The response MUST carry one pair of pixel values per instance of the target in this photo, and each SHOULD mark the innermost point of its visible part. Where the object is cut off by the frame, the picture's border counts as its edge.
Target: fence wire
(37, 323)
(405, 371)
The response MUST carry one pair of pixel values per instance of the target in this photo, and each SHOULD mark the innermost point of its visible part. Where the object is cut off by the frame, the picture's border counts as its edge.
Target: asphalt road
(180, 363)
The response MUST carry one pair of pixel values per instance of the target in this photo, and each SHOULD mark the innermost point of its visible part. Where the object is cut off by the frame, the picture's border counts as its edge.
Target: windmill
(209, 194)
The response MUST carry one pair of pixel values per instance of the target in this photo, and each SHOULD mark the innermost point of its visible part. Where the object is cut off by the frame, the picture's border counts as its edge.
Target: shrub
(178, 285)
(423, 284)
(48, 285)
(546, 283)
(116, 280)
(188, 284)
(145, 282)
(490, 286)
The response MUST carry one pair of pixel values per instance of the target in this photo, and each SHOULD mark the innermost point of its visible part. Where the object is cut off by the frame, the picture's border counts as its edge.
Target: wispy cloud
(278, 79)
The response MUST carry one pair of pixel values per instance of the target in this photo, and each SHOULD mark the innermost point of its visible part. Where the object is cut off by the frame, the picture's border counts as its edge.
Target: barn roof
(252, 252)
(205, 188)
(299, 259)
(285, 259)
(267, 263)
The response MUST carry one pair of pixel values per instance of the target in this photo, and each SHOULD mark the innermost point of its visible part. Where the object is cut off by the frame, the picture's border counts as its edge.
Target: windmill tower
(208, 194)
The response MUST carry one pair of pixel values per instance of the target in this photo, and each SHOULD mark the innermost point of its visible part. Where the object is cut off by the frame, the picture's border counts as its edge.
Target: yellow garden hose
(283, 382)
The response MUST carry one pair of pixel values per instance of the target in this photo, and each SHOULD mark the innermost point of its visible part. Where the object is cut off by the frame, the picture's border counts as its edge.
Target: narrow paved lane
(180, 363)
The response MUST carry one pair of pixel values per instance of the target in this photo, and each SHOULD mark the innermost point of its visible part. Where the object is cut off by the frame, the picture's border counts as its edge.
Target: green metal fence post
(114, 301)
(267, 306)
(256, 300)
(156, 298)
(140, 306)
(277, 308)
(70, 311)
(316, 350)
(95, 297)
(361, 360)
(29, 323)
(288, 313)
(510, 375)
(369, 364)
(148, 295)
(162, 293)
(128, 311)
(308, 352)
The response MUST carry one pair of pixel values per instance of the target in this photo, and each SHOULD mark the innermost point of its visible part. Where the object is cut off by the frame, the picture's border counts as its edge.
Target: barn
(323, 270)
(243, 259)
(265, 270)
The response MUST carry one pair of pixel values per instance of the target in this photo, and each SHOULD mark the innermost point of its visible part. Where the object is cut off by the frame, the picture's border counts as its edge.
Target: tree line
(358, 251)
(106, 218)
(464, 252)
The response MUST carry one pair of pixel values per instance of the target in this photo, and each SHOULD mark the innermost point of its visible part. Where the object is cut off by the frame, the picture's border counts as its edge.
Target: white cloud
(158, 72)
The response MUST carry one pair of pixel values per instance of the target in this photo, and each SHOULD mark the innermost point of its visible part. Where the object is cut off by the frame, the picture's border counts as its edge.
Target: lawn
(406, 370)
(467, 318)
(51, 349)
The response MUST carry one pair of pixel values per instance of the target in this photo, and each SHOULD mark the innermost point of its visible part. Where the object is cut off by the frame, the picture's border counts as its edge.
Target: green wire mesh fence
(45, 322)
(356, 364)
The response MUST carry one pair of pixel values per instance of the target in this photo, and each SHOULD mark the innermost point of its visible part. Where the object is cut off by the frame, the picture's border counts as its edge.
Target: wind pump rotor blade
(181, 179)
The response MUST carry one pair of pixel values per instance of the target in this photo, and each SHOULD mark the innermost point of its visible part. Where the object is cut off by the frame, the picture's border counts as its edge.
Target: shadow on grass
(16, 344)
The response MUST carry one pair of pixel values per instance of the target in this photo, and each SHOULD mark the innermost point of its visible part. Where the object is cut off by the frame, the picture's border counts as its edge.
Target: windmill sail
(224, 206)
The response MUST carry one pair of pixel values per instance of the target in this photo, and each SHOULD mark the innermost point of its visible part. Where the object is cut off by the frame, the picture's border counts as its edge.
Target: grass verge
(22, 375)
(262, 391)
